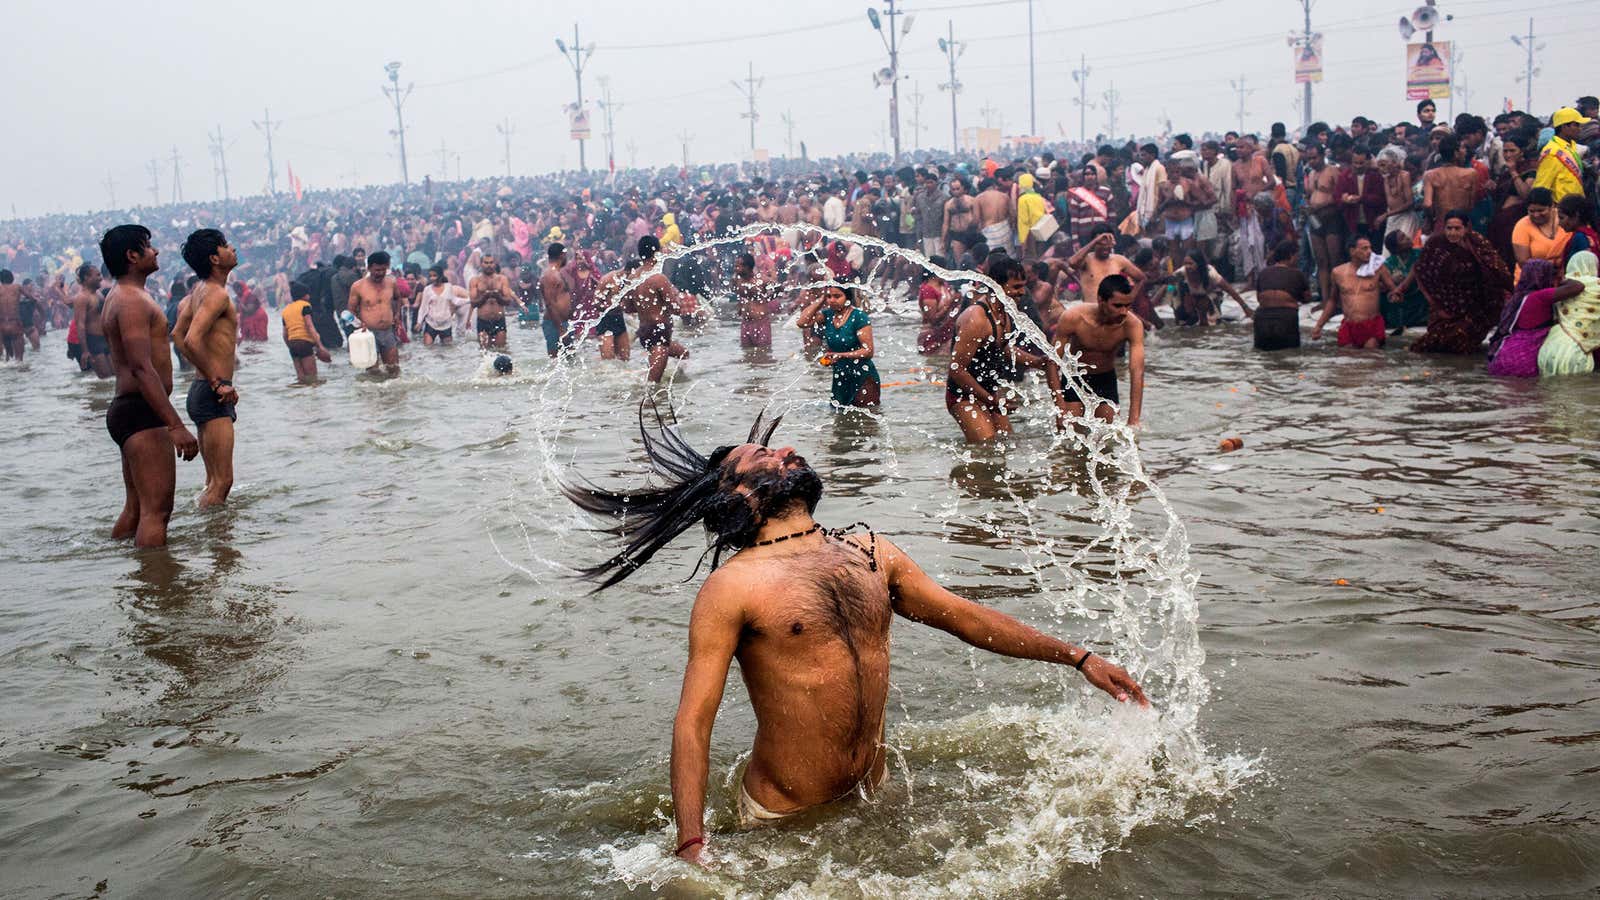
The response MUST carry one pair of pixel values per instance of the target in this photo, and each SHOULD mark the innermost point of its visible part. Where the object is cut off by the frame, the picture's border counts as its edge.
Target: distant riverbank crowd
(1420, 224)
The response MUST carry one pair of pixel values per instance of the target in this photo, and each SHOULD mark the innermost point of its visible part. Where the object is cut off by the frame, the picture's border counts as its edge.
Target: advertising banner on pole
(1428, 71)
(1308, 61)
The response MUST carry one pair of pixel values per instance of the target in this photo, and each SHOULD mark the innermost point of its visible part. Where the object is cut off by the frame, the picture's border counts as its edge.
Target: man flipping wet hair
(806, 612)
(141, 419)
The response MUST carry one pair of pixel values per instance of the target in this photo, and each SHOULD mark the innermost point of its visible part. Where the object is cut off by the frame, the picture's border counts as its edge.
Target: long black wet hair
(699, 489)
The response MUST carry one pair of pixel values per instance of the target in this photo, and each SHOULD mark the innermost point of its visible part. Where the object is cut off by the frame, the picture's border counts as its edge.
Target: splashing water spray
(1082, 774)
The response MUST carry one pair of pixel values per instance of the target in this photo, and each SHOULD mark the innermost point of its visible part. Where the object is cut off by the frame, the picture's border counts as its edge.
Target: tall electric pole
(220, 152)
(1527, 43)
(154, 168)
(1033, 122)
(444, 161)
(916, 115)
(1081, 76)
(266, 126)
(111, 188)
(751, 82)
(1111, 97)
(610, 106)
(1308, 39)
(1243, 92)
(952, 50)
(505, 132)
(988, 111)
(685, 137)
(633, 154)
(398, 97)
(177, 183)
(788, 124)
(891, 42)
(577, 55)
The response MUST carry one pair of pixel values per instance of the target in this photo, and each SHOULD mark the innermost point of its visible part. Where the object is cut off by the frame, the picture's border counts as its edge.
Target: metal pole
(267, 127)
(1307, 5)
(1529, 106)
(1033, 123)
(894, 85)
(222, 162)
(177, 184)
(399, 98)
(577, 53)
(951, 51)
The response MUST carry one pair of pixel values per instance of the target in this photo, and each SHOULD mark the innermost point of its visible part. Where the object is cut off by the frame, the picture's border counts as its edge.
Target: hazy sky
(100, 89)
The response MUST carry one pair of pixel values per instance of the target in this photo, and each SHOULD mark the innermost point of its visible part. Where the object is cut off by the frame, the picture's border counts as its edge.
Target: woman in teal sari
(846, 334)
(1405, 307)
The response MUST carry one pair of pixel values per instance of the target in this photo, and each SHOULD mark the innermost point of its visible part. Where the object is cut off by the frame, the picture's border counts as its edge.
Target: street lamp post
(577, 55)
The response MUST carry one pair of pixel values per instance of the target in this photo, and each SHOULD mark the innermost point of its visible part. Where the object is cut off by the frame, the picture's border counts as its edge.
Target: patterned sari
(1466, 285)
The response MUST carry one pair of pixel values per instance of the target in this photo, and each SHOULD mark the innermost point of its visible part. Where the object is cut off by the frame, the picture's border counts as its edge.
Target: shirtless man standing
(1097, 332)
(11, 331)
(655, 301)
(1358, 294)
(1450, 185)
(960, 232)
(373, 301)
(1324, 217)
(1182, 196)
(141, 419)
(557, 296)
(996, 216)
(207, 335)
(807, 613)
(1097, 259)
(491, 293)
(87, 305)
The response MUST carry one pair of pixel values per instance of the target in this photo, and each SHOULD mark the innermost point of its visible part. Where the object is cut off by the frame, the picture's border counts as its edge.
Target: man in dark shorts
(1096, 332)
(300, 334)
(208, 334)
(557, 295)
(141, 420)
(655, 301)
(491, 293)
(86, 312)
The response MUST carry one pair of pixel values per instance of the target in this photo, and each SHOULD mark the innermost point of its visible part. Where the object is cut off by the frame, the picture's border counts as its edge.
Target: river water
(366, 677)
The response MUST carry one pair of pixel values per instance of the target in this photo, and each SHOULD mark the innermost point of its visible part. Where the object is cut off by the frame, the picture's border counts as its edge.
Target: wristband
(689, 843)
(218, 382)
(1082, 659)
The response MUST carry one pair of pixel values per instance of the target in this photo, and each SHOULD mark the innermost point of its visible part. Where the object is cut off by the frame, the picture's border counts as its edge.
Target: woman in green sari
(1570, 347)
(1405, 307)
(846, 334)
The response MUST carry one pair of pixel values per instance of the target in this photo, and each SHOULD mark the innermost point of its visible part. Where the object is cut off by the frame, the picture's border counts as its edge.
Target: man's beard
(771, 495)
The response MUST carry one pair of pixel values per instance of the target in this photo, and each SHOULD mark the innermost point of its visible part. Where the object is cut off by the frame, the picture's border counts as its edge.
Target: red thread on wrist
(687, 844)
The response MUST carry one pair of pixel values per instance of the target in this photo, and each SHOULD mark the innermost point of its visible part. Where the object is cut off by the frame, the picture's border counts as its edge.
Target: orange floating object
(1341, 582)
(1230, 444)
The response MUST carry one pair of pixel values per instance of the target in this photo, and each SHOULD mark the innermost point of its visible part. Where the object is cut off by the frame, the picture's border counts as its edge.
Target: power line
(266, 126)
(219, 152)
(154, 168)
(916, 115)
(952, 49)
(1243, 92)
(506, 131)
(610, 106)
(1081, 76)
(393, 92)
(788, 124)
(751, 82)
(111, 188)
(577, 55)
(1111, 97)
(177, 175)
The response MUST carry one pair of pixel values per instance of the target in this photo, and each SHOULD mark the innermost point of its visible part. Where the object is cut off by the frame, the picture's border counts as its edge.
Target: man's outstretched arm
(713, 636)
(921, 599)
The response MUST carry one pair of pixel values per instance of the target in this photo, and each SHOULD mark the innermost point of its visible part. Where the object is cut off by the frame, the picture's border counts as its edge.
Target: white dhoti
(1000, 237)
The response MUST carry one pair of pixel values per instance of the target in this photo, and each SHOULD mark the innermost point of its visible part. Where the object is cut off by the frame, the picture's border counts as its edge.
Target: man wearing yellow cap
(1560, 168)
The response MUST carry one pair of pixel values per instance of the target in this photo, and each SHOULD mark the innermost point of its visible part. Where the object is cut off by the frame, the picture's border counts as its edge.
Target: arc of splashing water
(1111, 444)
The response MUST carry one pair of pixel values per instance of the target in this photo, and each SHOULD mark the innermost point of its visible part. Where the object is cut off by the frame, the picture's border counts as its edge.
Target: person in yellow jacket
(1560, 166)
(670, 235)
(1030, 209)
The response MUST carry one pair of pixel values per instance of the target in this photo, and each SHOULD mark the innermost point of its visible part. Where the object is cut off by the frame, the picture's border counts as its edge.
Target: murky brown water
(339, 686)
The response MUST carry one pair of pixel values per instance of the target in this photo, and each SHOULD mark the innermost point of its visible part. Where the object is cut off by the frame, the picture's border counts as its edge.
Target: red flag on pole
(294, 184)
